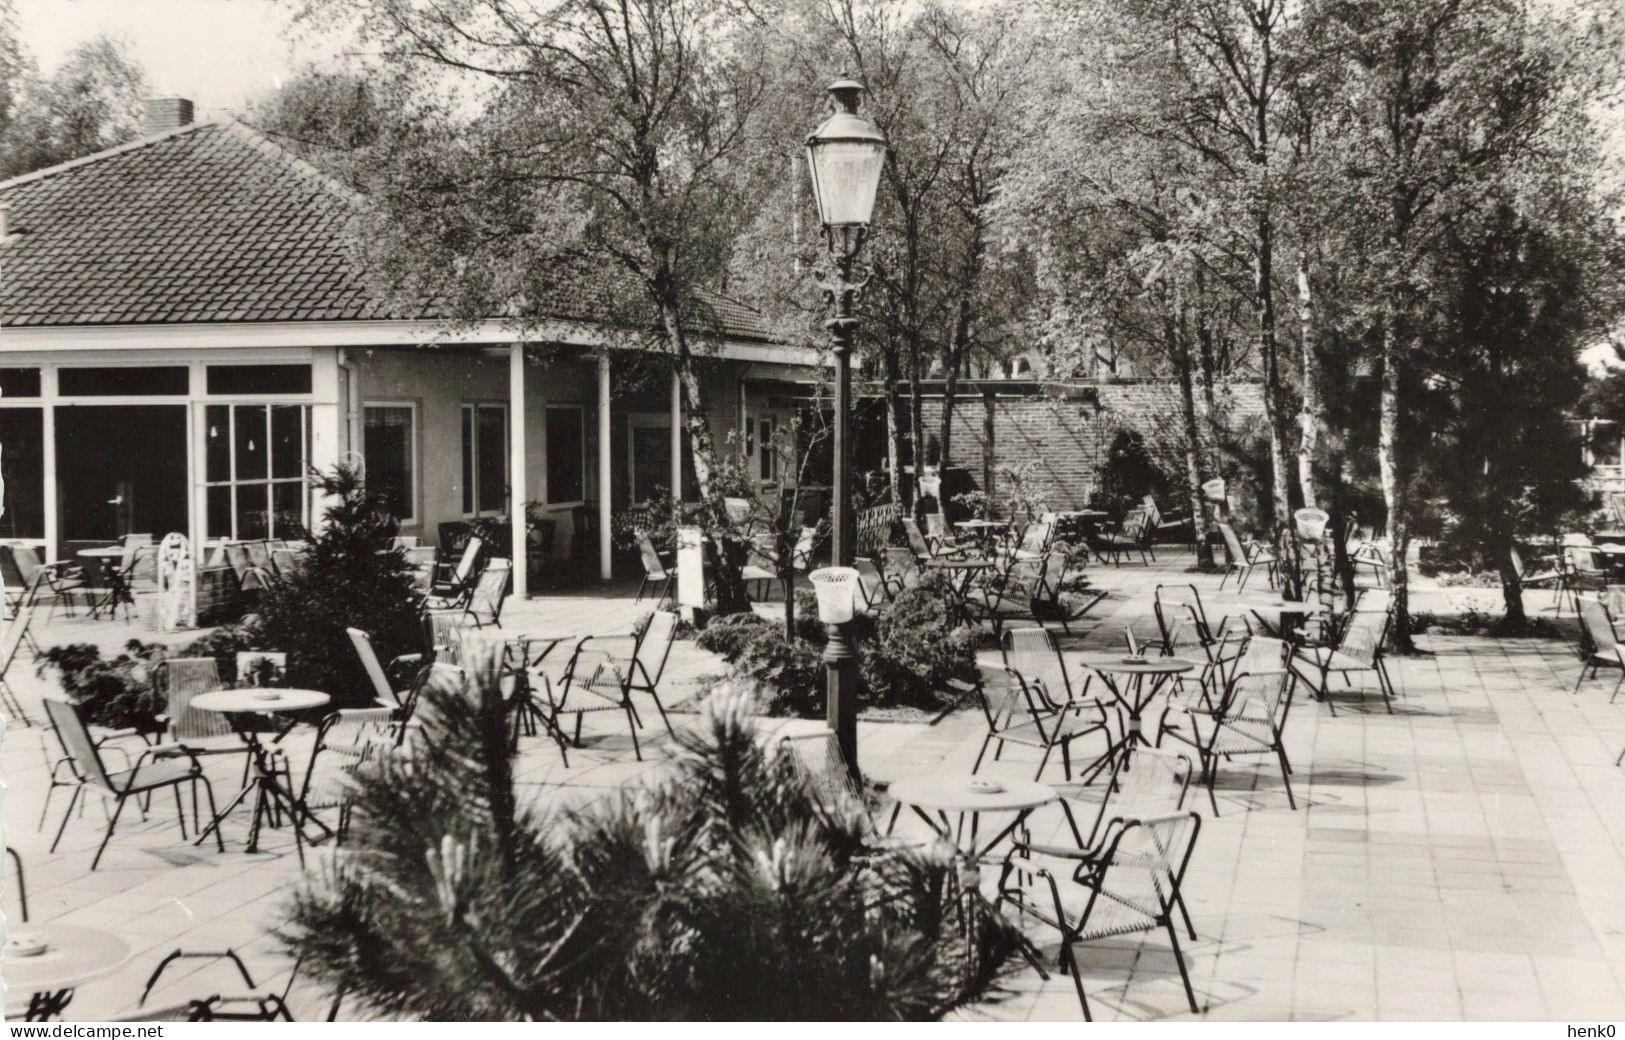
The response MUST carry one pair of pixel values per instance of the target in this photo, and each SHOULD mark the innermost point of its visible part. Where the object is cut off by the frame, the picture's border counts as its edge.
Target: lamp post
(845, 156)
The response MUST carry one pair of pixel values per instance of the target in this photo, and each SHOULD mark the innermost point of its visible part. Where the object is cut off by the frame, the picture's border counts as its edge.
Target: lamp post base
(841, 692)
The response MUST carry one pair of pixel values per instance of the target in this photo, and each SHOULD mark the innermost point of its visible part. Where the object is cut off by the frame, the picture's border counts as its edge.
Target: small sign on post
(690, 570)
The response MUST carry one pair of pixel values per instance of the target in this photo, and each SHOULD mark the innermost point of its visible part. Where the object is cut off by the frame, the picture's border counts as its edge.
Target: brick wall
(1069, 438)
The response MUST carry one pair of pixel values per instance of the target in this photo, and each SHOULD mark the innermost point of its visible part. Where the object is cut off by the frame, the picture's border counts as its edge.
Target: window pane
(258, 379)
(217, 438)
(122, 382)
(250, 442)
(388, 450)
(287, 440)
(219, 520)
(288, 501)
(22, 461)
(564, 449)
(468, 460)
(651, 461)
(253, 511)
(19, 382)
(769, 457)
(492, 482)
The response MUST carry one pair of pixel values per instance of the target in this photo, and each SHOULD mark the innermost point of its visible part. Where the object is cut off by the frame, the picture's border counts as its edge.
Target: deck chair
(159, 767)
(1358, 651)
(607, 680)
(1048, 603)
(1023, 713)
(1584, 571)
(1370, 556)
(902, 569)
(1132, 886)
(1244, 558)
(1035, 540)
(1604, 650)
(454, 588)
(1159, 522)
(490, 591)
(11, 644)
(385, 693)
(872, 588)
(252, 1005)
(941, 535)
(344, 740)
(922, 548)
(656, 572)
(1249, 719)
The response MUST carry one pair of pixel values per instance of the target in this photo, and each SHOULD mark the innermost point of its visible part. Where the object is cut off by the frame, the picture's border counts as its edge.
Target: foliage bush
(1128, 474)
(907, 654)
(345, 583)
(731, 890)
(122, 692)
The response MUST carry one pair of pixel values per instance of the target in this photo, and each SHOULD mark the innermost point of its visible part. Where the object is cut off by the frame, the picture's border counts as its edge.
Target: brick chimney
(165, 114)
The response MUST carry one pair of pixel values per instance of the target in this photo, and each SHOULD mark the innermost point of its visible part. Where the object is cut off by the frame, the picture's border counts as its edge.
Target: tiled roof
(209, 223)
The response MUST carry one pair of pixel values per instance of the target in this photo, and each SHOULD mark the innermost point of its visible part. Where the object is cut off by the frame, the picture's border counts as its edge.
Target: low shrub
(732, 890)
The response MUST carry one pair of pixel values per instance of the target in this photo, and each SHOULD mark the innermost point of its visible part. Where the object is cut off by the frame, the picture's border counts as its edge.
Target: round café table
(972, 796)
(271, 798)
(117, 591)
(982, 532)
(1126, 675)
(1291, 612)
(72, 957)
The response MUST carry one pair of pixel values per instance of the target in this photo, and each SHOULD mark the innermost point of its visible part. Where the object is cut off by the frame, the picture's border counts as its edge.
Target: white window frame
(416, 462)
(231, 404)
(473, 488)
(547, 452)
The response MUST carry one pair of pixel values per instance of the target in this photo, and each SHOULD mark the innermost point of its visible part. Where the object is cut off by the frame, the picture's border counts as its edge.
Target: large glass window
(565, 459)
(22, 463)
(126, 381)
(254, 463)
(485, 459)
(258, 379)
(391, 453)
(650, 445)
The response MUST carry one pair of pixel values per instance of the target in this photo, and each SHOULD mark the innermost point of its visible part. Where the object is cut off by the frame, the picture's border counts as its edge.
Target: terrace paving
(1459, 858)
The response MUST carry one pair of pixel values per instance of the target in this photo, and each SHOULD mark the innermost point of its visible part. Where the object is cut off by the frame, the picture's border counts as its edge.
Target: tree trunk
(916, 426)
(1268, 355)
(1393, 483)
(1179, 351)
(950, 386)
(894, 424)
(1311, 415)
(732, 552)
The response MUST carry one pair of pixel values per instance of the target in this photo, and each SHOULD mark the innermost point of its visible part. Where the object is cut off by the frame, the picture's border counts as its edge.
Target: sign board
(690, 567)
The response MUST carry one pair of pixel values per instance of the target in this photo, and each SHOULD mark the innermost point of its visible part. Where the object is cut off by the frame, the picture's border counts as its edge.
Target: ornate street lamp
(845, 157)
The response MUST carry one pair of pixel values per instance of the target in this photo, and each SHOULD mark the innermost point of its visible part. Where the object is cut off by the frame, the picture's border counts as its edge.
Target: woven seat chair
(182, 679)
(220, 1004)
(1584, 571)
(1132, 887)
(344, 740)
(1243, 559)
(656, 571)
(1249, 719)
(12, 635)
(1358, 651)
(158, 767)
(1133, 535)
(1022, 713)
(60, 583)
(606, 679)
(489, 593)
(1598, 644)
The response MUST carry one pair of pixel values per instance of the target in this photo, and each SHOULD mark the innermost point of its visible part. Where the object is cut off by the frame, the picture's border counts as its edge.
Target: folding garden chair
(1598, 644)
(255, 1005)
(607, 680)
(60, 582)
(1133, 886)
(1035, 540)
(1244, 558)
(902, 569)
(1584, 570)
(1024, 713)
(385, 693)
(344, 740)
(11, 644)
(872, 588)
(489, 592)
(453, 591)
(1249, 718)
(656, 572)
(1358, 650)
(923, 549)
(157, 768)
(1133, 535)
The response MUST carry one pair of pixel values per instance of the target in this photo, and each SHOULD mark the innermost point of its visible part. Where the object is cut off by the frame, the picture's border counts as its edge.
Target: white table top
(229, 702)
(971, 794)
(105, 552)
(73, 957)
(1126, 664)
(1282, 606)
